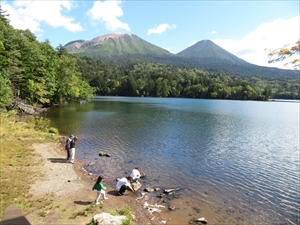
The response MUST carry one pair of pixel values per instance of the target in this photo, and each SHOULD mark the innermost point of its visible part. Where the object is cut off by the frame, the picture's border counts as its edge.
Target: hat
(72, 136)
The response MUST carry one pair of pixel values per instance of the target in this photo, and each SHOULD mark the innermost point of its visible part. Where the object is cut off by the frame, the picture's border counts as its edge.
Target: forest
(162, 80)
(40, 75)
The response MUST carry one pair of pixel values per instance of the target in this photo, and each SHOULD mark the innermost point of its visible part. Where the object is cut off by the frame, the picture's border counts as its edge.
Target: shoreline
(70, 186)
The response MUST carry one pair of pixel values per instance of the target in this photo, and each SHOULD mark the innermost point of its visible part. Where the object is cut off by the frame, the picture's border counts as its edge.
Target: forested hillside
(163, 80)
(35, 72)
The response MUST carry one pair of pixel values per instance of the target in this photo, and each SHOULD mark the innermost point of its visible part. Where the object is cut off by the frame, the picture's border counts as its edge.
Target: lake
(234, 161)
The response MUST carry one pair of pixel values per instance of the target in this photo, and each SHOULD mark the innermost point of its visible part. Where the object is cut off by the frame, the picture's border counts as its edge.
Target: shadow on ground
(58, 160)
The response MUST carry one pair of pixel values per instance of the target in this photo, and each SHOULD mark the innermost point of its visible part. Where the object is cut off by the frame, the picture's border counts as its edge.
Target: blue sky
(244, 28)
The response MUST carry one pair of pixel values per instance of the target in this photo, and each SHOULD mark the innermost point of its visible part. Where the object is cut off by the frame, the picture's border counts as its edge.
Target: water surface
(238, 160)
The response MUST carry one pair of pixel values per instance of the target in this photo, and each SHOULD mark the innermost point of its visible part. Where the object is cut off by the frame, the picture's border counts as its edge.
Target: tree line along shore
(39, 75)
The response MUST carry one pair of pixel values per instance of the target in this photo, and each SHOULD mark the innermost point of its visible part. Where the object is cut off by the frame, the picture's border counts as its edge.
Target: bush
(40, 123)
(53, 130)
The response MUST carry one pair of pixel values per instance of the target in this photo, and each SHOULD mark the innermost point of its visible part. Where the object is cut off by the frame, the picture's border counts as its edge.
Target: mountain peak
(207, 49)
(116, 46)
(112, 35)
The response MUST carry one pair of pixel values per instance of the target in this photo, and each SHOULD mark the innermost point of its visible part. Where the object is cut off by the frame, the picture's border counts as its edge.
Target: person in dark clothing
(67, 146)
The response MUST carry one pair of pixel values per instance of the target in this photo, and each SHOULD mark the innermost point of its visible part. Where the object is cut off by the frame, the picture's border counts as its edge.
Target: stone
(108, 219)
(136, 185)
(148, 189)
(91, 164)
(172, 208)
(169, 191)
(143, 174)
(202, 220)
(161, 195)
(102, 153)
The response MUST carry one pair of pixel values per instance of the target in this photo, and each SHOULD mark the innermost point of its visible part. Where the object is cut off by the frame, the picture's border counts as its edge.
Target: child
(135, 174)
(100, 190)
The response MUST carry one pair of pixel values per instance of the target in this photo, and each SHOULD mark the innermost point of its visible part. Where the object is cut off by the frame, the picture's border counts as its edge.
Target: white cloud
(269, 35)
(214, 32)
(107, 12)
(160, 29)
(30, 15)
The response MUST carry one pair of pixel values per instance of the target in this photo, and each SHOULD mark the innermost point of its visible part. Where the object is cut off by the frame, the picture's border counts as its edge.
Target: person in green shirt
(100, 188)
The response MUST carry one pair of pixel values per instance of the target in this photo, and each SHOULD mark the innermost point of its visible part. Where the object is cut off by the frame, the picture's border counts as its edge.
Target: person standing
(135, 174)
(100, 188)
(67, 146)
(72, 149)
(123, 184)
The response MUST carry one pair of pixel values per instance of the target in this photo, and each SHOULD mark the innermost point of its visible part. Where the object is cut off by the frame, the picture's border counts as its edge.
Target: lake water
(235, 161)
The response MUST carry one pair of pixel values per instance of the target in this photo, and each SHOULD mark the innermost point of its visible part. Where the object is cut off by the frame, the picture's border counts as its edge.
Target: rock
(157, 189)
(24, 108)
(108, 219)
(148, 189)
(202, 220)
(143, 174)
(91, 164)
(104, 154)
(161, 195)
(136, 185)
(172, 208)
(168, 190)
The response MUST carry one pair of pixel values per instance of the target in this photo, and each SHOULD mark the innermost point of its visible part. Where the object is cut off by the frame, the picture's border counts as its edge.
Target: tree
(5, 91)
(3, 15)
(282, 54)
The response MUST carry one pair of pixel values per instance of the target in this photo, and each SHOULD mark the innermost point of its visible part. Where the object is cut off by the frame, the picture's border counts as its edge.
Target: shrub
(40, 123)
(53, 130)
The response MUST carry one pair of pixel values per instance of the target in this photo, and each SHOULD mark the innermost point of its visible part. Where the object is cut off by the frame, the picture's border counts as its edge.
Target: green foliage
(53, 130)
(125, 211)
(92, 222)
(40, 123)
(5, 91)
(35, 71)
(161, 80)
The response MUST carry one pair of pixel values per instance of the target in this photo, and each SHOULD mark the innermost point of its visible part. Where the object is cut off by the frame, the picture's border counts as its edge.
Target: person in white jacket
(123, 184)
(135, 174)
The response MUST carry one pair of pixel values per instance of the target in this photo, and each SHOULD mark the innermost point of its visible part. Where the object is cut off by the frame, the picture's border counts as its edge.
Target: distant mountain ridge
(129, 48)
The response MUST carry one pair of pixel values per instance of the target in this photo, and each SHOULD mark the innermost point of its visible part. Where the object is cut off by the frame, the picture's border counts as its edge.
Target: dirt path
(66, 191)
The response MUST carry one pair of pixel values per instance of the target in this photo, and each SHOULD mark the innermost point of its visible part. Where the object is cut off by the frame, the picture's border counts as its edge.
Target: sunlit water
(238, 158)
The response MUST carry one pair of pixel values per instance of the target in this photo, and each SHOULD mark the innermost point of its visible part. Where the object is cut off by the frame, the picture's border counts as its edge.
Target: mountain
(112, 46)
(206, 49)
(129, 48)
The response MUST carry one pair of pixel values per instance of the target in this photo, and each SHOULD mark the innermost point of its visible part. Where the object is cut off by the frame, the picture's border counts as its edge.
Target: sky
(247, 29)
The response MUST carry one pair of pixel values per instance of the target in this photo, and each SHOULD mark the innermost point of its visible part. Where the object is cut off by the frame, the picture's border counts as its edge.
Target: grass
(89, 210)
(16, 158)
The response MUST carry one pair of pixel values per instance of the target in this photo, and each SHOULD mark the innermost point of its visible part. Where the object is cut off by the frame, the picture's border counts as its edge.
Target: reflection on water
(241, 157)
